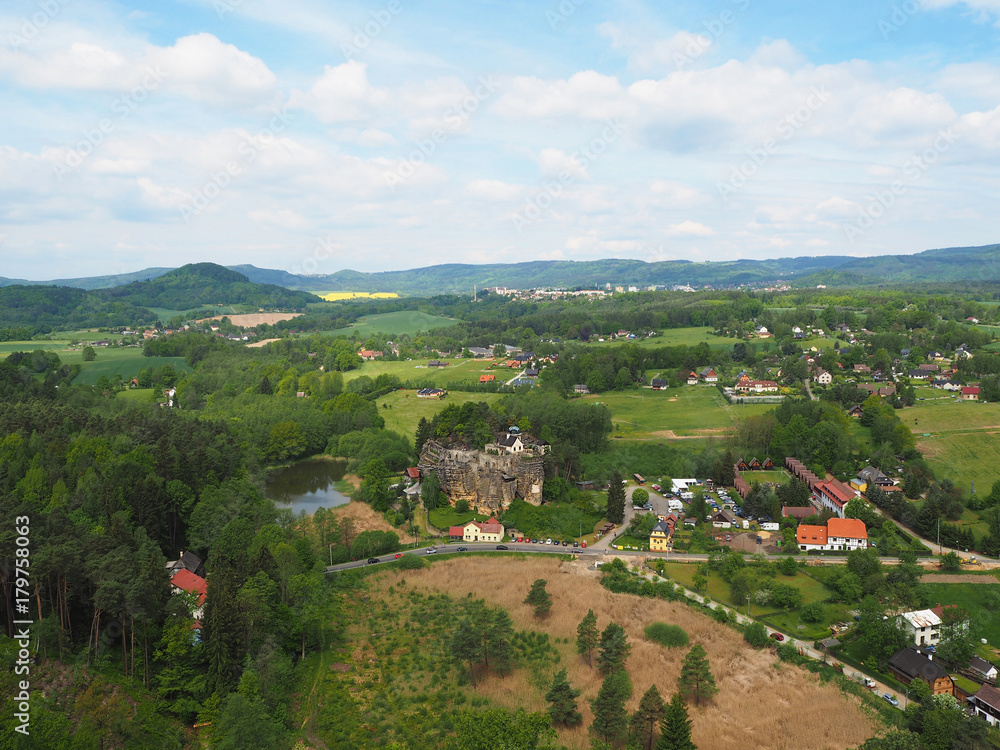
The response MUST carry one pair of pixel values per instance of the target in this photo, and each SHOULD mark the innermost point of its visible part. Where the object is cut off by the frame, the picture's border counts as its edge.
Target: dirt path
(957, 578)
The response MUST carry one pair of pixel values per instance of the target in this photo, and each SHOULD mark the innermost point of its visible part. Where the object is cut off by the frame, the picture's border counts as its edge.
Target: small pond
(307, 485)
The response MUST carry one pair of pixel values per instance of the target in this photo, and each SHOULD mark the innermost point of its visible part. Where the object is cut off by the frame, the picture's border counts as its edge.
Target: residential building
(368, 355)
(475, 531)
(487, 378)
(983, 668)
(510, 444)
(908, 665)
(833, 494)
(659, 384)
(855, 412)
(186, 581)
(986, 704)
(922, 627)
(822, 376)
(839, 535)
(862, 369)
(187, 561)
(708, 375)
(431, 393)
(659, 537)
(970, 393)
(723, 519)
(797, 513)
(580, 388)
(747, 385)
(692, 378)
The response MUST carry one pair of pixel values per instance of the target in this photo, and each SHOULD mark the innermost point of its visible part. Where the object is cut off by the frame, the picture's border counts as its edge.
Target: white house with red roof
(970, 393)
(186, 581)
(839, 535)
(833, 494)
(708, 375)
(490, 530)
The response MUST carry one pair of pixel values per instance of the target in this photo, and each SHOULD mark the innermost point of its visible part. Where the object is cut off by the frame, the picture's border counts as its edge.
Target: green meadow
(409, 322)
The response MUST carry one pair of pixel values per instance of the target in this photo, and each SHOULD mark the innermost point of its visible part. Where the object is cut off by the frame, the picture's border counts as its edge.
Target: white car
(548, 541)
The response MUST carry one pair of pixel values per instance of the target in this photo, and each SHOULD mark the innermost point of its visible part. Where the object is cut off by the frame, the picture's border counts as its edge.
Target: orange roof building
(839, 535)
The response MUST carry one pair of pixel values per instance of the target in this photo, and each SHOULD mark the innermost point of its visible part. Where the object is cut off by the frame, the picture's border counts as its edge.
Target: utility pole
(748, 606)
(939, 535)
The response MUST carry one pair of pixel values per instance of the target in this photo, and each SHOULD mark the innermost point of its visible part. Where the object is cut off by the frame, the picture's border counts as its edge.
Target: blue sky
(315, 136)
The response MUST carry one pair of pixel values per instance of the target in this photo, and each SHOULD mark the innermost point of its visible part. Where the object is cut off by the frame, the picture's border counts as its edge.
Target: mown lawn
(409, 322)
(444, 517)
(688, 410)
(457, 371)
(126, 366)
(405, 409)
(981, 601)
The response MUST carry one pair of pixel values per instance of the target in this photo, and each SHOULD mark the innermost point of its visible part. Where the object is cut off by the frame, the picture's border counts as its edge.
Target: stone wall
(488, 482)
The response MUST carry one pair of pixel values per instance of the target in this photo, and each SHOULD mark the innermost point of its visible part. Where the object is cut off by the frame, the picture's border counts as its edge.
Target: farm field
(338, 296)
(783, 708)
(694, 410)
(405, 409)
(409, 322)
(673, 337)
(7, 347)
(127, 367)
(457, 371)
(252, 320)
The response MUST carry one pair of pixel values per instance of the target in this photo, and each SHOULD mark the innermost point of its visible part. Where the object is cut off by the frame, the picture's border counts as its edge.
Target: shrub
(812, 612)
(411, 562)
(756, 635)
(670, 636)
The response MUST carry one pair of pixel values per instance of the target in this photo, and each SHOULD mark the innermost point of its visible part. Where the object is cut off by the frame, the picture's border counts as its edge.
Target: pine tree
(466, 645)
(616, 499)
(586, 636)
(696, 679)
(615, 649)
(539, 598)
(675, 731)
(563, 697)
(610, 719)
(499, 635)
(424, 433)
(647, 716)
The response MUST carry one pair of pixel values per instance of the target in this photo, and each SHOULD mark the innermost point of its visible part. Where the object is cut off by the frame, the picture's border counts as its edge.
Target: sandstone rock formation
(488, 482)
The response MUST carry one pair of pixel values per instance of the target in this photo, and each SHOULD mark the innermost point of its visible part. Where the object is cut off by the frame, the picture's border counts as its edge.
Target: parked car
(463, 549)
(890, 699)
(502, 547)
(548, 541)
(655, 487)
(583, 544)
(372, 560)
(576, 544)
(565, 543)
(777, 636)
(869, 682)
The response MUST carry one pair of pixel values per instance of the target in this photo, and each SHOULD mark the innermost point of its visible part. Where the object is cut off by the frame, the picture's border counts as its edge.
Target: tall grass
(760, 704)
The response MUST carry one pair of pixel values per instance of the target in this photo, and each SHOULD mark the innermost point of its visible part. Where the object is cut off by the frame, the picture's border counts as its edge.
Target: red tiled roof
(836, 491)
(970, 389)
(188, 581)
(413, 472)
(456, 531)
(793, 512)
(811, 534)
(852, 528)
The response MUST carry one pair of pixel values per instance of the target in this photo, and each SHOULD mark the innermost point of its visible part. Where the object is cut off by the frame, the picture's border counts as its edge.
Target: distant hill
(203, 284)
(953, 264)
(27, 310)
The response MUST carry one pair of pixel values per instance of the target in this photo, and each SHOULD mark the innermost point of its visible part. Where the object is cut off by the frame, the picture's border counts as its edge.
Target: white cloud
(689, 228)
(494, 190)
(206, 69)
(283, 218)
(554, 162)
(342, 94)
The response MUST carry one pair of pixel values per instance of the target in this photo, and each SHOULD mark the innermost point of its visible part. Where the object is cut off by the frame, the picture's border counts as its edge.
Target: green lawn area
(138, 395)
(673, 337)
(126, 366)
(948, 414)
(396, 323)
(457, 371)
(165, 314)
(778, 476)
(688, 410)
(7, 347)
(405, 409)
(788, 621)
(447, 516)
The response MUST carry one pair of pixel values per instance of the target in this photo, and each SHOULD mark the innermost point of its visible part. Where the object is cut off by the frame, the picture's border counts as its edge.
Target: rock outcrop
(487, 481)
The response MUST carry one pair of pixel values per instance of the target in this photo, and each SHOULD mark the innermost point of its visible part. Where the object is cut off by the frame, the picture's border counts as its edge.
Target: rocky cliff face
(488, 482)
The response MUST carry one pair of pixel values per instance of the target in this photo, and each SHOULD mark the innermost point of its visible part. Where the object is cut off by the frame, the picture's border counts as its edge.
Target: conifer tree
(539, 598)
(562, 698)
(675, 731)
(615, 649)
(647, 716)
(586, 636)
(616, 499)
(696, 678)
(610, 719)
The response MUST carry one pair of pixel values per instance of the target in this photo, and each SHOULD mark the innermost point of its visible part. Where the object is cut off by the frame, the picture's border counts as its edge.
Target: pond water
(307, 485)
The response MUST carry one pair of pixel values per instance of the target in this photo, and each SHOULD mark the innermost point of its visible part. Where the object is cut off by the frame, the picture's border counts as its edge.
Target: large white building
(839, 535)
(922, 627)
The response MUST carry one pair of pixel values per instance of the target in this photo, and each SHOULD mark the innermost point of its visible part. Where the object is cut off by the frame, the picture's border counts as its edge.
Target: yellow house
(659, 537)
(487, 531)
(859, 484)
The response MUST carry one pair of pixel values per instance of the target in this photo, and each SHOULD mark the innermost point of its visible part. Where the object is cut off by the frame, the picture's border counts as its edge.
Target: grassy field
(673, 337)
(405, 409)
(406, 321)
(338, 296)
(127, 367)
(960, 439)
(778, 476)
(406, 686)
(7, 347)
(138, 395)
(688, 410)
(445, 517)
(981, 601)
(457, 371)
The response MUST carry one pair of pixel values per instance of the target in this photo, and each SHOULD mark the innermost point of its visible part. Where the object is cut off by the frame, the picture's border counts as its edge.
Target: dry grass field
(759, 705)
(252, 320)
(366, 519)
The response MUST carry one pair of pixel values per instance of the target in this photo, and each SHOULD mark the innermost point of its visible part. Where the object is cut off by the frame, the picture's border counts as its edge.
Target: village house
(187, 561)
(487, 378)
(475, 531)
(708, 375)
(822, 376)
(908, 665)
(796, 512)
(922, 627)
(580, 388)
(659, 537)
(983, 668)
(855, 412)
(510, 444)
(756, 386)
(833, 494)
(186, 581)
(839, 535)
(692, 378)
(870, 476)
(970, 393)
(368, 355)
(883, 391)
(480, 352)
(659, 384)
(431, 393)
(723, 519)
(862, 369)
(986, 704)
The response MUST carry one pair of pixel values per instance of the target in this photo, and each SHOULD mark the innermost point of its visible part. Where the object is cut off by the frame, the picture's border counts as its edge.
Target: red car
(777, 636)
(520, 539)
(399, 555)
(583, 544)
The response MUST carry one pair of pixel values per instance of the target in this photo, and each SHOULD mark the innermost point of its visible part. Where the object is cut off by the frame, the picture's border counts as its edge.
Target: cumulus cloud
(494, 190)
(342, 94)
(690, 229)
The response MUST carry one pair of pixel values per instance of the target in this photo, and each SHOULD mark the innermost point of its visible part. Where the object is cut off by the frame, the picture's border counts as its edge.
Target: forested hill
(951, 264)
(199, 284)
(28, 310)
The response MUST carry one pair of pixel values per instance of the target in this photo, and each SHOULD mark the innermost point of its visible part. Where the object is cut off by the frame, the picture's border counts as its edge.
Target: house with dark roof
(708, 375)
(723, 519)
(659, 384)
(908, 664)
(187, 561)
(983, 668)
(986, 704)
(510, 444)
(797, 513)
(659, 537)
(431, 393)
(531, 372)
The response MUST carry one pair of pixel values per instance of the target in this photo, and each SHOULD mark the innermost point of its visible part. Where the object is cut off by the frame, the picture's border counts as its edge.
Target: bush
(756, 635)
(812, 613)
(411, 562)
(670, 636)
